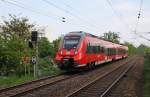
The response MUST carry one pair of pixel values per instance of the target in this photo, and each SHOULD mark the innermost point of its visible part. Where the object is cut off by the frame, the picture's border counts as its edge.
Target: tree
(142, 49)
(111, 36)
(132, 49)
(56, 44)
(45, 48)
(18, 26)
(13, 40)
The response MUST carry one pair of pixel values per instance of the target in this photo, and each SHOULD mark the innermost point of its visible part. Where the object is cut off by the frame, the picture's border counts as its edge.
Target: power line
(139, 16)
(18, 4)
(116, 13)
(137, 22)
(15, 3)
(121, 18)
(143, 37)
(70, 13)
(37, 9)
(79, 13)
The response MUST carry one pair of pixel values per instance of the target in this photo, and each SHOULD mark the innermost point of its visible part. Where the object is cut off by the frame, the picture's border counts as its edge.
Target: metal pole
(36, 64)
(34, 68)
(37, 59)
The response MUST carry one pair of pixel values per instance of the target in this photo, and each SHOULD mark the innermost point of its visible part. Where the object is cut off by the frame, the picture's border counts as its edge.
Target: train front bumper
(68, 63)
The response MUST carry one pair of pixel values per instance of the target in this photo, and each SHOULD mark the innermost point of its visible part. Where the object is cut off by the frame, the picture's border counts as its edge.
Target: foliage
(111, 36)
(12, 51)
(147, 78)
(56, 44)
(13, 41)
(47, 53)
(17, 26)
(143, 49)
(45, 48)
(16, 33)
(132, 49)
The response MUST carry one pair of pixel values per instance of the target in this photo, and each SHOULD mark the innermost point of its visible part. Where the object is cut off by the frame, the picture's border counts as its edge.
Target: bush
(147, 78)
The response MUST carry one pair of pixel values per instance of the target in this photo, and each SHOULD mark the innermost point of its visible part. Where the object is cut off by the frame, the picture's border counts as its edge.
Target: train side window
(105, 51)
(99, 49)
(91, 49)
(88, 48)
(110, 51)
(96, 49)
(102, 49)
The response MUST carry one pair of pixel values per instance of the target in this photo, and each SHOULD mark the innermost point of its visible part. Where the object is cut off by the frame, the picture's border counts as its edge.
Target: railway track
(17, 90)
(22, 89)
(102, 86)
(132, 84)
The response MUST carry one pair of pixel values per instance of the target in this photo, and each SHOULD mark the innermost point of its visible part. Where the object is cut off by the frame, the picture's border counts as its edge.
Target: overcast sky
(92, 16)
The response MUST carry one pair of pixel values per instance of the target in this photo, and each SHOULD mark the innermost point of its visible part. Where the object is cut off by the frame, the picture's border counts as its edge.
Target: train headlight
(76, 52)
(61, 52)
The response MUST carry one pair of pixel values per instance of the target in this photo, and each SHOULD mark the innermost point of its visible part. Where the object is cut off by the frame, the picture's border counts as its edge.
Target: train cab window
(71, 42)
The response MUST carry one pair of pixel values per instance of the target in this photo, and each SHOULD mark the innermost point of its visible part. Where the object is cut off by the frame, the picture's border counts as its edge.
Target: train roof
(104, 43)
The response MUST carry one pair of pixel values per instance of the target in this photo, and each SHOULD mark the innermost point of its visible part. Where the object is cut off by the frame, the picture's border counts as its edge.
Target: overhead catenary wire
(28, 8)
(66, 11)
(137, 22)
(118, 14)
(18, 4)
(122, 20)
(79, 13)
(49, 13)
(70, 13)
(15, 3)
(139, 16)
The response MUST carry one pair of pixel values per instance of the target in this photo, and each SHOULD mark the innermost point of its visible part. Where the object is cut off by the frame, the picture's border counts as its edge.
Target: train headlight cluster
(61, 52)
(76, 52)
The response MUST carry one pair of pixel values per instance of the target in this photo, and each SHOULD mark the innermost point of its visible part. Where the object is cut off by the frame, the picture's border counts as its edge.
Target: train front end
(69, 53)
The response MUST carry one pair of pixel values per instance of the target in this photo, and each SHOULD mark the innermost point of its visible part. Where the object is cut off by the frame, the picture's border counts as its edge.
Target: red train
(80, 49)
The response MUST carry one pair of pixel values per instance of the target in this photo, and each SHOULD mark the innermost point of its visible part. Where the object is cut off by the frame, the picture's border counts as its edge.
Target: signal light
(30, 44)
(34, 36)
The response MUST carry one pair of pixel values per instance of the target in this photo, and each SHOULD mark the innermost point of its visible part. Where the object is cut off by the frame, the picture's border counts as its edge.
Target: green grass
(147, 78)
(13, 80)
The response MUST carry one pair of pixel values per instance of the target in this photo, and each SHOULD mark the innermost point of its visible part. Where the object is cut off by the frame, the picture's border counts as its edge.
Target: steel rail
(34, 88)
(98, 78)
(26, 83)
(41, 86)
(104, 94)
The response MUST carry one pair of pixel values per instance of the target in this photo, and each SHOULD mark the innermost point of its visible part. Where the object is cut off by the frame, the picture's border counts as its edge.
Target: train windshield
(71, 42)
